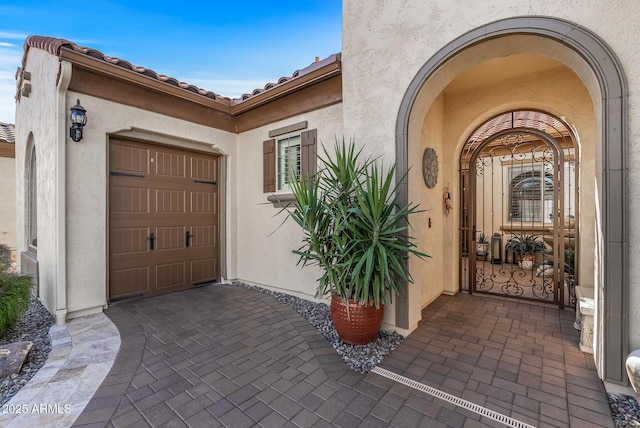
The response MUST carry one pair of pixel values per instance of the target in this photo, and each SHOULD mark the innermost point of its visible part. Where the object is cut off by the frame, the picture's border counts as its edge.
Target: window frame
(32, 204)
(282, 182)
(529, 172)
(308, 158)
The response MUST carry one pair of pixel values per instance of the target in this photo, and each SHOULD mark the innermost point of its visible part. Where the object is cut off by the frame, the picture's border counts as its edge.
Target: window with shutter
(308, 153)
(288, 161)
(288, 158)
(269, 166)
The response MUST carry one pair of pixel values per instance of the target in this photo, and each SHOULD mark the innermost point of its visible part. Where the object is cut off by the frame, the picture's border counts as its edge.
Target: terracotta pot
(362, 323)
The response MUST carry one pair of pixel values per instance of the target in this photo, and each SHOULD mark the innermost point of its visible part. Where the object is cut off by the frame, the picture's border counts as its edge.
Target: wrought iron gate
(518, 229)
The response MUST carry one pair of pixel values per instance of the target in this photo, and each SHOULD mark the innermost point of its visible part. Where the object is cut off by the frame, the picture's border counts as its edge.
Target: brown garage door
(163, 219)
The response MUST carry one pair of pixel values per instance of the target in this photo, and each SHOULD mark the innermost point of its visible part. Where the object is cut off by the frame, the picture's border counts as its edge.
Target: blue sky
(228, 47)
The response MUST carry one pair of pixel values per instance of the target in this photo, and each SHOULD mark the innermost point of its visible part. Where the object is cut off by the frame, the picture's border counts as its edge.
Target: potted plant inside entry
(482, 245)
(525, 247)
(355, 231)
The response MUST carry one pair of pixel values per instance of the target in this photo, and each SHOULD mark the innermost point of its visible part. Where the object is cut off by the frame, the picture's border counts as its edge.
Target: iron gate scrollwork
(517, 176)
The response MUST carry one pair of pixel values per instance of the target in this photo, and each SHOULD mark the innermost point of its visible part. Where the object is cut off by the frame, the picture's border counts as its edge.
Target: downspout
(64, 77)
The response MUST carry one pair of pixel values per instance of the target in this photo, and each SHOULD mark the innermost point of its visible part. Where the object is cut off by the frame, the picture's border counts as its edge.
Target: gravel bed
(361, 358)
(33, 326)
(625, 410)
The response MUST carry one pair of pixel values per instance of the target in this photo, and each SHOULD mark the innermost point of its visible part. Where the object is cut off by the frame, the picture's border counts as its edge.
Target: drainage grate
(510, 422)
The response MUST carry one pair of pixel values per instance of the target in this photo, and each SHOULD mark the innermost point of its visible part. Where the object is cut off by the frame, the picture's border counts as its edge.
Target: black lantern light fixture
(78, 120)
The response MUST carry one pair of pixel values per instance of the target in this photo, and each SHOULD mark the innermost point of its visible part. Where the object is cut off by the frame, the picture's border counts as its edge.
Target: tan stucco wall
(73, 183)
(264, 246)
(8, 202)
(74, 269)
(38, 126)
(386, 43)
(429, 275)
(87, 187)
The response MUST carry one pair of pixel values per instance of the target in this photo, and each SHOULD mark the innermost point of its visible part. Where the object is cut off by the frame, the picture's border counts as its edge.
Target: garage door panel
(204, 202)
(204, 168)
(170, 238)
(129, 240)
(129, 199)
(203, 270)
(170, 164)
(129, 159)
(170, 201)
(170, 275)
(168, 192)
(130, 281)
(204, 236)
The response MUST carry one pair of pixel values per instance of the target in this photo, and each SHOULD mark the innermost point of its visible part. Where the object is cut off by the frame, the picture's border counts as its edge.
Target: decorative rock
(625, 410)
(633, 370)
(12, 355)
(34, 327)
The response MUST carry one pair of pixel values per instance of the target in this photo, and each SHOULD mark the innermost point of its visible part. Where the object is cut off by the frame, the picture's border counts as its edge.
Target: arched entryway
(518, 209)
(596, 66)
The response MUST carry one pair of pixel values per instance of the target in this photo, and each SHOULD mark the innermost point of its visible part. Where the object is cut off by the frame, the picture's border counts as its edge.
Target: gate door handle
(152, 238)
(188, 237)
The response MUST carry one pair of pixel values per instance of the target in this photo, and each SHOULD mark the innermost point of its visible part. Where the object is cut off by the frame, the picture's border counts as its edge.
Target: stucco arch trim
(613, 202)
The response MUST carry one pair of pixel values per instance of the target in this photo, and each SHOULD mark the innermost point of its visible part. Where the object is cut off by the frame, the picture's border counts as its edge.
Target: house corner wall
(36, 126)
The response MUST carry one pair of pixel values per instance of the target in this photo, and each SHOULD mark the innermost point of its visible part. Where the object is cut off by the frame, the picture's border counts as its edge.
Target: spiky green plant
(14, 292)
(354, 229)
(523, 244)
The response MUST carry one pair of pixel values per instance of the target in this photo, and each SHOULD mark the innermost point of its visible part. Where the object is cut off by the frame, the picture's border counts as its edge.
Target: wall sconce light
(78, 120)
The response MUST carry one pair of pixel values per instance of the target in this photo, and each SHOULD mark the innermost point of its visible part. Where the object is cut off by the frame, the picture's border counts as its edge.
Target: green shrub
(14, 292)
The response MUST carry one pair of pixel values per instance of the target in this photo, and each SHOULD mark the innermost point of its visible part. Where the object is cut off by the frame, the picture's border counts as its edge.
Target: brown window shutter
(308, 149)
(269, 166)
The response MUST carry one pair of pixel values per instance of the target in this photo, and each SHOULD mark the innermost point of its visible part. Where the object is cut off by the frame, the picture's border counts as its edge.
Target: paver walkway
(517, 358)
(82, 354)
(227, 356)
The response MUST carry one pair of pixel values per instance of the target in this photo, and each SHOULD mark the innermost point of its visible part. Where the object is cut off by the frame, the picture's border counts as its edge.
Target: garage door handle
(187, 237)
(152, 238)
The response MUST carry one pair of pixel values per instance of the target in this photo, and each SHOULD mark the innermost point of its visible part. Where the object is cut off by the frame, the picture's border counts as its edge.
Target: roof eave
(327, 71)
(87, 62)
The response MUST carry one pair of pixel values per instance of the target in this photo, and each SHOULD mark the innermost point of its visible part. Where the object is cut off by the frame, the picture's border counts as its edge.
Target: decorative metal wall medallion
(430, 167)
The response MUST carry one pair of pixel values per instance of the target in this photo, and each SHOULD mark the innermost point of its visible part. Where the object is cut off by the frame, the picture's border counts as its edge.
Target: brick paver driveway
(228, 356)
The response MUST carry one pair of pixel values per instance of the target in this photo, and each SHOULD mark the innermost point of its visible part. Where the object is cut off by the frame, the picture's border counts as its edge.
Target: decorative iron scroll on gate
(517, 223)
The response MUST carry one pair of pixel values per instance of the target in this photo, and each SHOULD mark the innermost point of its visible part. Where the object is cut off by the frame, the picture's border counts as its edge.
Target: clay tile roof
(298, 73)
(53, 46)
(7, 133)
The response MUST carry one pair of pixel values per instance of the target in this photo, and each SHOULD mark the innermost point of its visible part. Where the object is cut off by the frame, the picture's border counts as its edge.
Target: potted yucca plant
(355, 232)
